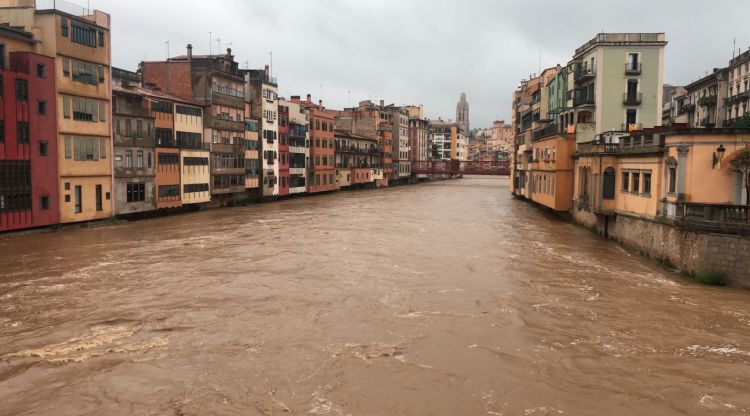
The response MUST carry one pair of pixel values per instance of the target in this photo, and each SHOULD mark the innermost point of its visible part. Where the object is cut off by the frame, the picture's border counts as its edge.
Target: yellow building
(79, 39)
(195, 173)
(552, 171)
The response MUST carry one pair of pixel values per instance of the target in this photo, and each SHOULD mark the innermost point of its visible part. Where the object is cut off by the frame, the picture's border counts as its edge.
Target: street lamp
(719, 155)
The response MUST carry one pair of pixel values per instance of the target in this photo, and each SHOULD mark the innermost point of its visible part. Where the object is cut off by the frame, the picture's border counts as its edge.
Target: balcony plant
(707, 101)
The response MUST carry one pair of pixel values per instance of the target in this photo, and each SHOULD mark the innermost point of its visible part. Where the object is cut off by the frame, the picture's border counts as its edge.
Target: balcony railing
(62, 6)
(632, 68)
(583, 100)
(544, 131)
(632, 98)
(631, 126)
(584, 73)
(723, 217)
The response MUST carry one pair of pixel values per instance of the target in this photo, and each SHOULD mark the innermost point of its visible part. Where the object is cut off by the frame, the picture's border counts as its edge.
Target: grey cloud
(424, 52)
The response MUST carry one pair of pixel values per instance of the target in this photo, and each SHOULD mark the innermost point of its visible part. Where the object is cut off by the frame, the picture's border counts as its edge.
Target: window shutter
(68, 145)
(66, 67)
(66, 106)
(104, 143)
(101, 111)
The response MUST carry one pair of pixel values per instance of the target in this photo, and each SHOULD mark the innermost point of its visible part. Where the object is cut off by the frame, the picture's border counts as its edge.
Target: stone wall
(690, 251)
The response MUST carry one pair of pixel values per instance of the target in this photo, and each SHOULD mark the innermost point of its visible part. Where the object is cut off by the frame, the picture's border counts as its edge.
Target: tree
(435, 151)
(743, 124)
(741, 164)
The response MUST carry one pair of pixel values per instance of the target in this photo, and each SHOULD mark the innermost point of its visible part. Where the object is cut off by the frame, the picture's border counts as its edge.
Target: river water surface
(446, 298)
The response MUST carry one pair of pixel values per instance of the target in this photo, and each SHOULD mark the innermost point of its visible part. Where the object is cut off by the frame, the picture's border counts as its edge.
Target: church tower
(462, 114)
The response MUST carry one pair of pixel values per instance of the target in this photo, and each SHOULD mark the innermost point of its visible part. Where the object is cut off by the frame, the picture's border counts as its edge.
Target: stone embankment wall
(690, 251)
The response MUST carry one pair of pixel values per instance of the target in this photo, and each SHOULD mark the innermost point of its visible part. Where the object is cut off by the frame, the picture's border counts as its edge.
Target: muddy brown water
(446, 298)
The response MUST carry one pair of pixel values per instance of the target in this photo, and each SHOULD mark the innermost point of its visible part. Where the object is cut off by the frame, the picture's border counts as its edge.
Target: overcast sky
(420, 51)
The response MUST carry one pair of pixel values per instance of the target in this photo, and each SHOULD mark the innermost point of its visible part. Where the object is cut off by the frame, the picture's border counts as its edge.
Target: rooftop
(621, 39)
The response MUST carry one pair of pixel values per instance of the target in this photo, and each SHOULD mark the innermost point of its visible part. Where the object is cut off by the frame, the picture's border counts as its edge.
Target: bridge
(460, 167)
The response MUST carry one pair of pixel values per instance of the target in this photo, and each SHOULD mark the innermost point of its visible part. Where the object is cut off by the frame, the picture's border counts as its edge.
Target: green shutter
(68, 145)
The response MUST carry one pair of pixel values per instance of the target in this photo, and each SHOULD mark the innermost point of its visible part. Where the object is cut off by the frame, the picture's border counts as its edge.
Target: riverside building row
(591, 140)
(81, 140)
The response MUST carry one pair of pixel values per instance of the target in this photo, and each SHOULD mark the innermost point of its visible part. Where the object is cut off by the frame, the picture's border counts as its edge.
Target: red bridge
(460, 167)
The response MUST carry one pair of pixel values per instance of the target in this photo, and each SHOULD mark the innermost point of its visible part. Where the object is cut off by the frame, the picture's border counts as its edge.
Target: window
(631, 116)
(44, 202)
(99, 198)
(101, 39)
(22, 132)
(66, 67)
(136, 192)
(188, 111)
(187, 140)
(139, 159)
(64, 27)
(85, 72)
(139, 128)
(41, 107)
(195, 187)
(128, 158)
(67, 186)
(636, 182)
(168, 158)
(84, 148)
(85, 109)
(43, 148)
(22, 90)
(41, 71)
(195, 161)
(128, 128)
(67, 198)
(78, 199)
(330, 178)
(148, 160)
(672, 174)
(625, 181)
(608, 191)
(169, 191)
(647, 183)
(83, 35)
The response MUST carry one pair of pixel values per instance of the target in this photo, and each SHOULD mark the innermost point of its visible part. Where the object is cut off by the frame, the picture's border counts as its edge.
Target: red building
(283, 150)
(321, 166)
(28, 138)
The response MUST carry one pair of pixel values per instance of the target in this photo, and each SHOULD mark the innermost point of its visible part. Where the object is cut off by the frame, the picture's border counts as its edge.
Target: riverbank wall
(691, 248)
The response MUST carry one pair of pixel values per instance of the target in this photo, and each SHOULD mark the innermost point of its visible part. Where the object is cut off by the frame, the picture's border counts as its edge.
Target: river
(446, 298)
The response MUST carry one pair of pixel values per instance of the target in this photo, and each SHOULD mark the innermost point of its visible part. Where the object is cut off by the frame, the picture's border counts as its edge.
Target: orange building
(321, 177)
(552, 171)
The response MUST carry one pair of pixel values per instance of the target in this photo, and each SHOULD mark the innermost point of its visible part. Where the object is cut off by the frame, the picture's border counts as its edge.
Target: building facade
(299, 145)
(399, 117)
(134, 146)
(216, 84)
(29, 195)
(262, 94)
(321, 170)
(79, 41)
(737, 101)
(358, 160)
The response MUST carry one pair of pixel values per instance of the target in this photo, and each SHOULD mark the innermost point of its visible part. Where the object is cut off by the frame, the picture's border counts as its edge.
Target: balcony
(219, 123)
(737, 98)
(228, 148)
(632, 126)
(598, 148)
(707, 101)
(546, 131)
(580, 100)
(632, 98)
(734, 219)
(633, 68)
(583, 74)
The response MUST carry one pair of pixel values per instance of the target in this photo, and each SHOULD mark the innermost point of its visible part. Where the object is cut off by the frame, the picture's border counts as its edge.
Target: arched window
(608, 184)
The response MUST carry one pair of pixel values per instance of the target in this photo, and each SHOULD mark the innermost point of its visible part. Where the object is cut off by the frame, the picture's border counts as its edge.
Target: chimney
(229, 52)
(309, 98)
(190, 52)
(320, 103)
(382, 103)
(295, 99)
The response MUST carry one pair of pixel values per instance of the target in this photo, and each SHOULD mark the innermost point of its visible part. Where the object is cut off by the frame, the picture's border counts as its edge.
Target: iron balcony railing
(719, 217)
(584, 73)
(632, 68)
(632, 98)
